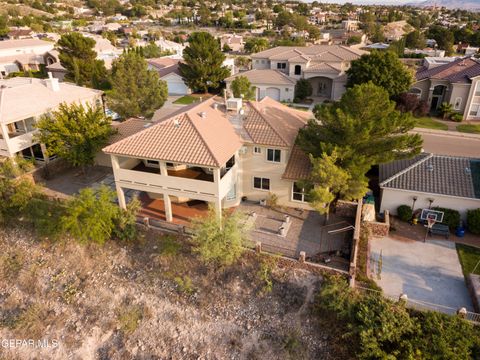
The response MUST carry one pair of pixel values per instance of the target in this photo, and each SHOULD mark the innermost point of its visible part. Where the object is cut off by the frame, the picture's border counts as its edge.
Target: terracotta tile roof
(298, 166)
(437, 174)
(269, 122)
(326, 52)
(458, 71)
(165, 66)
(184, 138)
(266, 76)
(127, 128)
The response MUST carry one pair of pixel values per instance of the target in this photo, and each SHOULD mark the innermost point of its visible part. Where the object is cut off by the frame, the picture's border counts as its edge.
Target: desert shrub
(272, 200)
(44, 216)
(169, 245)
(15, 196)
(404, 212)
(129, 317)
(184, 284)
(388, 330)
(12, 264)
(220, 241)
(14, 167)
(451, 217)
(125, 221)
(33, 321)
(473, 221)
(456, 117)
(267, 264)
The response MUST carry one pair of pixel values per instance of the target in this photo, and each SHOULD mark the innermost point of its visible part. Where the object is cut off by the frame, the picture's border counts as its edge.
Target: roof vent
(429, 167)
(215, 106)
(203, 115)
(147, 125)
(468, 171)
(176, 123)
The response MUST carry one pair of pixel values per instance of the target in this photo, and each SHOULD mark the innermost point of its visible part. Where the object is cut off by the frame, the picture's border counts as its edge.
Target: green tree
(362, 129)
(15, 196)
(74, 133)
(220, 241)
(4, 30)
(330, 182)
(254, 45)
(136, 90)
(90, 216)
(415, 40)
(242, 86)
(303, 89)
(382, 68)
(203, 63)
(151, 51)
(78, 57)
(443, 36)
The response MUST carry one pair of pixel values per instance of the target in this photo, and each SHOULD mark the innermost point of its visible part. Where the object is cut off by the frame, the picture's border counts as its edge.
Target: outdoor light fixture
(413, 203)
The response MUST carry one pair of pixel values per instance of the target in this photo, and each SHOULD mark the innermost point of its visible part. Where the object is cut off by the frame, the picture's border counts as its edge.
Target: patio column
(168, 207)
(121, 197)
(163, 168)
(217, 205)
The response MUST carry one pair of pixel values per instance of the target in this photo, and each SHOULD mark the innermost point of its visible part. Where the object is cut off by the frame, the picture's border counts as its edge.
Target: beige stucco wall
(287, 92)
(256, 165)
(393, 198)
(257, 64)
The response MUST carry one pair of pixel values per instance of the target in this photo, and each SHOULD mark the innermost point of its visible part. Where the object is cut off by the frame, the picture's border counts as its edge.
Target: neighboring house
(271, 83)
(235, 42)
(323, 65)
(172, 46)
(437, 53)
(24, 100)
(23, 55)
(456, 82)
(183, 158)
(168, 71)
(350, 25)
(167, 68)
(431, 180)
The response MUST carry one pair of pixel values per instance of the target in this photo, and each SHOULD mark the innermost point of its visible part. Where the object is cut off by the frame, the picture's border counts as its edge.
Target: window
(298, 70)
(477, 89)
(281, 65)
(474, 110)
(257, 150)
(438, 90)
(261, 183)
(286, 89)
(232, 194)
(300, 193)
(458, 103)
(274, 155)
(152, 163)
(415, 91)
(263, 61)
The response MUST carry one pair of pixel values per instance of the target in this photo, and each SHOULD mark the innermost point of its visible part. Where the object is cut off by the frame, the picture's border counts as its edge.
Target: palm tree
(446, 109)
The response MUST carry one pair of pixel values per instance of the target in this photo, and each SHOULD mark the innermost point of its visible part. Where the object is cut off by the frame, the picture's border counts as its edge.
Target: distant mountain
(452, 4)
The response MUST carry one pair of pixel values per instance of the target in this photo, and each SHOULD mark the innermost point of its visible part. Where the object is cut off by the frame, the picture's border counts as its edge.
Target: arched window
(298, 70)
(458, 103)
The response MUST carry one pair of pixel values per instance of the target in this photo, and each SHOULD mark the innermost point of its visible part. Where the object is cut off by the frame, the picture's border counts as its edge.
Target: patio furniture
(439, 229)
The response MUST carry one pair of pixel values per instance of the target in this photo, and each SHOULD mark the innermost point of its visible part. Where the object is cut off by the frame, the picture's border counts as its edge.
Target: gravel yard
(155, 300)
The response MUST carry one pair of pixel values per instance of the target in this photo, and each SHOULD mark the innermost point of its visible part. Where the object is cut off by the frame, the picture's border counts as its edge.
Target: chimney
(52, 83)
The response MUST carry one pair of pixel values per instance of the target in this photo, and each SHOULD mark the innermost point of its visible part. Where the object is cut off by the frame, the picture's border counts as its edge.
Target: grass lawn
(430, 123)
(469, 257)
(469, 128)
(186, 100)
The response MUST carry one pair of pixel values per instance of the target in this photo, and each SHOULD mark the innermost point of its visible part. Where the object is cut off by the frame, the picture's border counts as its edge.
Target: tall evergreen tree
(361, 130)
(203, 68)
(78, 57)
(136, 90)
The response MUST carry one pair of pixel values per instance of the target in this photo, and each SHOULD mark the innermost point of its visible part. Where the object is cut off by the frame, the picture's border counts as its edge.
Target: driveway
(427, 272)
(168, 108)
(449, 143)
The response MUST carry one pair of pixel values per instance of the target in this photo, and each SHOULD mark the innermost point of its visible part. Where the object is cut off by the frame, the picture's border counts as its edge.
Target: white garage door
(274, 93)
(176, 87)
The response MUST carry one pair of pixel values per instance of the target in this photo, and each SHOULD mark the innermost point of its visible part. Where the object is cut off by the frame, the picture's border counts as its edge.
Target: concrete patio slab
(427, 272)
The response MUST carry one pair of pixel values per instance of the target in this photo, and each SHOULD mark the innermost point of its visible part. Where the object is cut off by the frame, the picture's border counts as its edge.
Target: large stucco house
(211, 154)
(23, 55)
(323, 65)
(22, 103)
(456, 82)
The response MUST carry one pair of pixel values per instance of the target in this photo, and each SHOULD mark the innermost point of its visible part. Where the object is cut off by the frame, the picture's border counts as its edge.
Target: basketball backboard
(432, 214)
